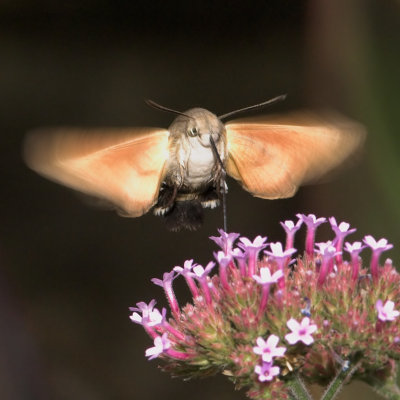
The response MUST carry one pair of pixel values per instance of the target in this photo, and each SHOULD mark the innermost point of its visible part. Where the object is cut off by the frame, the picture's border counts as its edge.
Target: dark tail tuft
(184, 215)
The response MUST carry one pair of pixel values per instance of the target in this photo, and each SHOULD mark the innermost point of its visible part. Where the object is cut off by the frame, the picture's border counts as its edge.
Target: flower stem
(298, 389)
(338, 381)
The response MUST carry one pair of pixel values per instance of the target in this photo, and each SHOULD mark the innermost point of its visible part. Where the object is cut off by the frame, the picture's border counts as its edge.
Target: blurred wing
(272, 157)
(123, 166)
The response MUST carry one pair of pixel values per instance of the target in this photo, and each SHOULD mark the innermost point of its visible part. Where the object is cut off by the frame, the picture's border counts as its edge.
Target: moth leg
(210, 198)
(166, 199)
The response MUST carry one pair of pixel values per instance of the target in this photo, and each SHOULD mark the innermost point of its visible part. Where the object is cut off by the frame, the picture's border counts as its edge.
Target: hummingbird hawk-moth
(178, 171)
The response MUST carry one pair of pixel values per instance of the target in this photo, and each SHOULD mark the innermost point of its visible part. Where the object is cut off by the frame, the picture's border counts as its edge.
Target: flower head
(240, 310)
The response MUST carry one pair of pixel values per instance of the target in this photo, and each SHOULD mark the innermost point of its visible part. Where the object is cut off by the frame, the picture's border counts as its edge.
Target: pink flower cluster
(255, 295)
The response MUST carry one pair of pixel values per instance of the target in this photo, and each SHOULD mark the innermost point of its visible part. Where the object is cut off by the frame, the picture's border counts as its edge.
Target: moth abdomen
(184, 215)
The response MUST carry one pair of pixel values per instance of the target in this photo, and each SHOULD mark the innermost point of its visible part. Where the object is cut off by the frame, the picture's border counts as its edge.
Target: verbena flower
(300, 332)
(161, 344)
(386, 311)
(331, 318)
(266, 371)
(342, 230)
(268, 349)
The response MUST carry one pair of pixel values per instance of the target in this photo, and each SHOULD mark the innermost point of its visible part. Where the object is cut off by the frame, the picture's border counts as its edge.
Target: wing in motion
(123, 166)
(272, 157)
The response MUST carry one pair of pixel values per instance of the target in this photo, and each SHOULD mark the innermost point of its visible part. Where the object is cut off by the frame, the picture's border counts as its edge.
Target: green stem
(336, 385)
(298, 389)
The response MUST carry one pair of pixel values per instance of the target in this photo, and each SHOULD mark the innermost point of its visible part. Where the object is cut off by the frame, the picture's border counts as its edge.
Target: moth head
(197, 126)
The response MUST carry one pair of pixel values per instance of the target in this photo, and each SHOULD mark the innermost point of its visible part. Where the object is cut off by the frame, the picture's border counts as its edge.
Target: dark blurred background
(68, 272)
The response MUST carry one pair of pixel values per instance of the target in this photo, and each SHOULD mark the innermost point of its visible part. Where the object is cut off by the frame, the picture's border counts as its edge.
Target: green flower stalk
(271, 323)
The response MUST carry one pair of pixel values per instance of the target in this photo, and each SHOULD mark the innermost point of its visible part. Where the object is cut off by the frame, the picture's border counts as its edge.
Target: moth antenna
(215, 151)
(153, 104)
(265, 103)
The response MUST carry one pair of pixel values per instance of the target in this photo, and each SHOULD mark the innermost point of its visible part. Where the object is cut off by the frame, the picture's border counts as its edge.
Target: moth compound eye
(193, 132)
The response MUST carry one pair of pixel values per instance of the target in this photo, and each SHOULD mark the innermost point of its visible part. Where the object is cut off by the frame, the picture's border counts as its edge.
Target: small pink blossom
(225, 240)
(277, 251)
(377, 248)
(341, 231)
(386, 312)
(267, 349)
(266, 371)
(240, 257)
(311, 220)
(354, 250)
(224, 260)
(187, 267)
(291, 229)
(144, 308)
(281, 257)
(186, 273)
(328, 252)
(161, 343)
(326, 249)
(312, 223)
(289, 226)
(381, 244)
(166, 284)
(252, 249)
(258, 242)
(356, 247)
(154, 317)
(201, 274)
(301, 332)
(266, 277)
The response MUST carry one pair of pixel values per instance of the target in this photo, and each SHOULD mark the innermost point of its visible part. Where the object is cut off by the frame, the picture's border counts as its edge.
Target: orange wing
(123, 166)
(272, 157)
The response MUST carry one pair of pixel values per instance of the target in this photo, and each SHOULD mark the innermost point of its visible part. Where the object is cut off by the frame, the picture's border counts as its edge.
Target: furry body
(192, 175)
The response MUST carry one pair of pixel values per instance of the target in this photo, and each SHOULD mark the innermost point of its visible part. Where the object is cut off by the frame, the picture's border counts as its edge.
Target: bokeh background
(68, 272)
